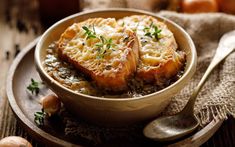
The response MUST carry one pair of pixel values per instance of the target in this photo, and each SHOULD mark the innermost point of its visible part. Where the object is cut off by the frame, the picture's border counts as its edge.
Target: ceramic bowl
(115, 111)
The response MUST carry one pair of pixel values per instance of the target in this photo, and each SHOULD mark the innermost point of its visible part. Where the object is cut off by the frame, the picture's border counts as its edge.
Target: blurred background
(57, 9)
(23, 20)
(51, 11)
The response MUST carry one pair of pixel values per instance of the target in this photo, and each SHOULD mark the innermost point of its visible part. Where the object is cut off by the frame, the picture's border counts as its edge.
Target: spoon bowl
(170, 128)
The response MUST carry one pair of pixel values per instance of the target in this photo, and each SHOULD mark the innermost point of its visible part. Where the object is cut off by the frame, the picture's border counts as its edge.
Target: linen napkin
(217, 97)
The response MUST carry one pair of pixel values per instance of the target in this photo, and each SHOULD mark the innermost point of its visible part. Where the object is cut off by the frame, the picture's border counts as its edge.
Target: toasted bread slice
(159, 57)
(103, 50)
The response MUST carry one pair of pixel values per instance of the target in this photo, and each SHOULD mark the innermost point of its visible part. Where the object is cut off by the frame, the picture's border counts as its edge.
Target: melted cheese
(159, 57)
(103, 50)
(151, 51)
(85, 50)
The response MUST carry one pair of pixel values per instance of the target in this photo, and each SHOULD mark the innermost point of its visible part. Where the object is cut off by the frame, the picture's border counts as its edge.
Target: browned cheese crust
(159, 57)
(103, 50)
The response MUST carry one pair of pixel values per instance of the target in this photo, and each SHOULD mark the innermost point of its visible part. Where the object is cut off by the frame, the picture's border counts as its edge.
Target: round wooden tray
(24, 106)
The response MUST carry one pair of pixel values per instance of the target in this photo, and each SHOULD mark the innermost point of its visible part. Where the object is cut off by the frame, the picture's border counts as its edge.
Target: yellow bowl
(115, 111)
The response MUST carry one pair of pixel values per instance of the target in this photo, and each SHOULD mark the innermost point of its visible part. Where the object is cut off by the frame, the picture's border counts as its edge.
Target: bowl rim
(187, 74)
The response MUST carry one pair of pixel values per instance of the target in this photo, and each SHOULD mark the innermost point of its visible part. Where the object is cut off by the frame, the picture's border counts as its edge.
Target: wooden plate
(24, 106)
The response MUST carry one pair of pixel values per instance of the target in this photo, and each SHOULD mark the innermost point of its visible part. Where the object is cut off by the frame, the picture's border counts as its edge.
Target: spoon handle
(221, 53)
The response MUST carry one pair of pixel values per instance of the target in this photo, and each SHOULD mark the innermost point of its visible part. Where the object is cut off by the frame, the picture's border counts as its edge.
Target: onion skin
(199, 6)
(14, 141)
(227, 6)
(51, 104)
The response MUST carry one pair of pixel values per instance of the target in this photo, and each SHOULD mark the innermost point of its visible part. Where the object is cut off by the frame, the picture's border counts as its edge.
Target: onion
(198, 6)
(14, 141)
(227, 6)
(50, 104)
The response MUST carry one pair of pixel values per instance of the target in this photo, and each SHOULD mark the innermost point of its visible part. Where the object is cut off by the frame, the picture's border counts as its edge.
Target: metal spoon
(169, 128)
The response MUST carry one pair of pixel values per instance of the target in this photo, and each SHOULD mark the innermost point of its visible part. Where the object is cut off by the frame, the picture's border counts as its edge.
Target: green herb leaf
(33, 87)
(89, 33)
(109, 43)
(39, 118)
(103, 40)
(146, 29)
(99, 45)
(91, 36)
(123, 23)
(148, 34)
(85, 28)
(152, 31)
(104, 46)
(156, 32)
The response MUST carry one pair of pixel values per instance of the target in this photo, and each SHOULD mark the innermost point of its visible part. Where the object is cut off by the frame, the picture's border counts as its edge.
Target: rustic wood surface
(19, 25)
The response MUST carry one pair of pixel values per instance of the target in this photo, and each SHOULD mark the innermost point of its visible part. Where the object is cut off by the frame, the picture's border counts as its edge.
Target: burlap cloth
(216, 99)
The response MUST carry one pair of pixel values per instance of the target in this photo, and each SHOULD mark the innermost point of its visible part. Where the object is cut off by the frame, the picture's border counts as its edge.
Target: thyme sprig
(156, 32)
(153, 31)
(39, 118)
(104, 46)
(89, 33)
(33, 87)
(123, 24)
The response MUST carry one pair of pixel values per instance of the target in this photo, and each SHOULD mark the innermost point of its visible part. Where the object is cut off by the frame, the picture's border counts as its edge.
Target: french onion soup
(131, 57)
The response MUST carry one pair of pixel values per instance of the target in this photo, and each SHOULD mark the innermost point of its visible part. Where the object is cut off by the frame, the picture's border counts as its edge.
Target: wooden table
(19, 25)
